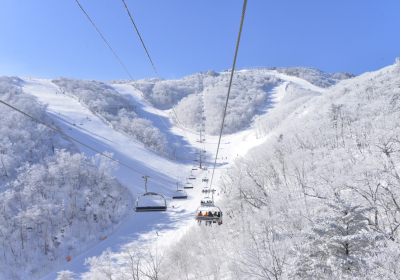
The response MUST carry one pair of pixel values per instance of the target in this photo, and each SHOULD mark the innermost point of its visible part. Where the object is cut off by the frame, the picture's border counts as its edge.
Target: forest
(53, 199)
(250, 92)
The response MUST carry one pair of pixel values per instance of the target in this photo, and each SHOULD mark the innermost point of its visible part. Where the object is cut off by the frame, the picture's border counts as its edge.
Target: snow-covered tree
(338, 243)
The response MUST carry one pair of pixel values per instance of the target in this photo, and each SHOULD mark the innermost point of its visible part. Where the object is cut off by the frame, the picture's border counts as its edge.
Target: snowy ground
(142, 227)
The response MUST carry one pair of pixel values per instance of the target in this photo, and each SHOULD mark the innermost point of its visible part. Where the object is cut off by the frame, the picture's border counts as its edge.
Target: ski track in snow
(141, 228)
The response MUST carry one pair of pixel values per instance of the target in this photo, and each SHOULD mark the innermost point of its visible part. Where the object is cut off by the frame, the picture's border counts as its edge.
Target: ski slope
(141, 228)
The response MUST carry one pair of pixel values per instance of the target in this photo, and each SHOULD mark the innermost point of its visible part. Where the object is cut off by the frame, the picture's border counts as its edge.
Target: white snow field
(162, 228)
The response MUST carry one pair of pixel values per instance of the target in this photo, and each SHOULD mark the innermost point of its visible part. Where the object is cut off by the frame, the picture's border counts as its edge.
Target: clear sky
(52, 38)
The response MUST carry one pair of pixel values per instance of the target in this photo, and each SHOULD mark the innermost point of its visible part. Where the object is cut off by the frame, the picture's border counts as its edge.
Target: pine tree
(338, 242)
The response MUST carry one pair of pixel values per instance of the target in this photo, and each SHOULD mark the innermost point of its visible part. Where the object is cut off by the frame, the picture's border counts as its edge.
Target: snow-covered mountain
(319, 141)
(318, 199)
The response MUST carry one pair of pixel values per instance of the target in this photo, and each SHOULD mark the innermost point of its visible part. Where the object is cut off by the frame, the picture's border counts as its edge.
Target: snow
(141, 228)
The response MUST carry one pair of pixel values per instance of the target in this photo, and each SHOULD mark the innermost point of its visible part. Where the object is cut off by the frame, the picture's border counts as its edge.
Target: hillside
(318, 199)
(269, 110)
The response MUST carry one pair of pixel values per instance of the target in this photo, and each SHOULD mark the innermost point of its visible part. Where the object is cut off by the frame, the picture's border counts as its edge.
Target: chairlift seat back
(179, 194)
(151, 202)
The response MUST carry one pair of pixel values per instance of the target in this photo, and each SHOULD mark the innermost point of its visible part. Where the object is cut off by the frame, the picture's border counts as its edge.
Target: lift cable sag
(148, 55)
(137, 87)
(229, 89)
(56, 130)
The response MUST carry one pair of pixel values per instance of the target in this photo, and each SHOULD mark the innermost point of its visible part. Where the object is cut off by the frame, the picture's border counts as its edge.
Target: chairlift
(192, 177)
(207, 201)
(205, 190)
(188, 185)
(209, 213)
(205, 179)
(149, 201)
(179, 194)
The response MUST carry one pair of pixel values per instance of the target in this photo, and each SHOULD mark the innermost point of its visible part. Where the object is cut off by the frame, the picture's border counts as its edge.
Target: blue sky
(50, 38)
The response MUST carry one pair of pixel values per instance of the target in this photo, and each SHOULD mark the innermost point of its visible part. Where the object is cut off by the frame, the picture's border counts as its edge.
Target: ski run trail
(142, 228)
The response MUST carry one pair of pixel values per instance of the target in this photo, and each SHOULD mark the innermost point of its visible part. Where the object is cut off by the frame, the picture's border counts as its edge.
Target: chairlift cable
(140, 37)
(103, 39)
(125, 69)
(148, 55)
(229, 88)
(82, 143)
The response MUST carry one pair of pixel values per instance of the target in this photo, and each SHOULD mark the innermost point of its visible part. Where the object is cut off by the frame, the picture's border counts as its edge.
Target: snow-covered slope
(142, 227)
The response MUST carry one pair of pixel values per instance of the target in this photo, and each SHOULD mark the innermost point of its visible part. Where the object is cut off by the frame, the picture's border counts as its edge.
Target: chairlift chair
(216, 214)
(205, 190)
(150, 202)
(188, 185)
(205, 179)
(207, 201)
(179, 194)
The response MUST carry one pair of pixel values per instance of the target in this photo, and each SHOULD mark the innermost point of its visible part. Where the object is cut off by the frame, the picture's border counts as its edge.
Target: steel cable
(148, 55)
(230, 85)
